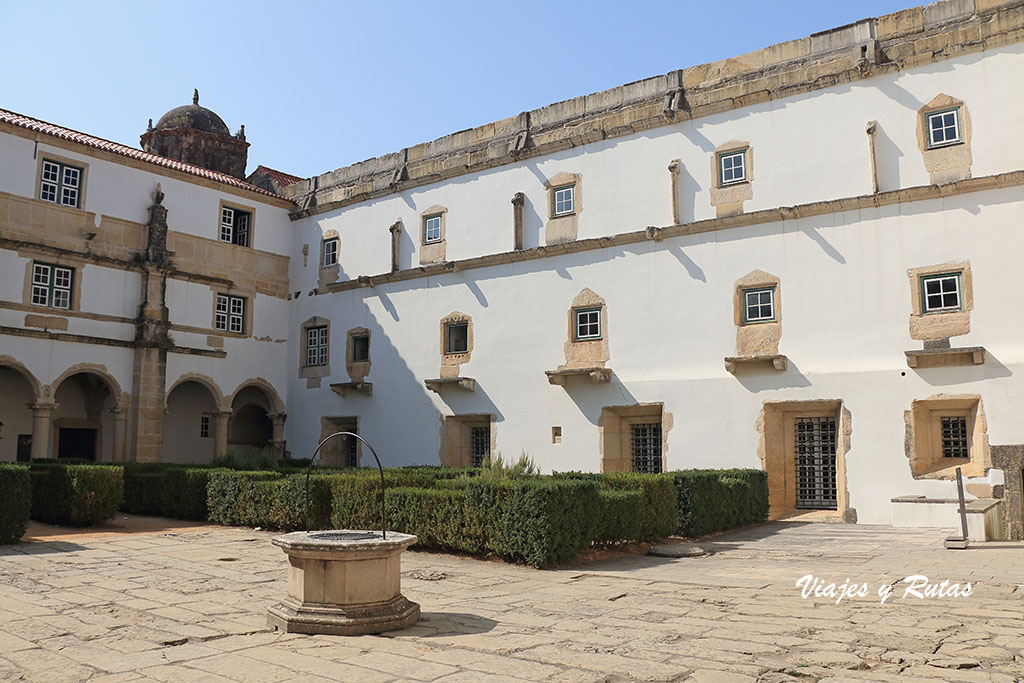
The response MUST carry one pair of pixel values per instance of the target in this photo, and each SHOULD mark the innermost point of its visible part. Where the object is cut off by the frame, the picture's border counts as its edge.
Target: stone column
(220, 433)
(518, 200)
(41, 428)
(120, 434)
(277, 440)
(673, 168)
(396, 244)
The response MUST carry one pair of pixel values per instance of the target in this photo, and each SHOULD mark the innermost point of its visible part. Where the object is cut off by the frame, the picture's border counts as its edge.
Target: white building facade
(800, 259)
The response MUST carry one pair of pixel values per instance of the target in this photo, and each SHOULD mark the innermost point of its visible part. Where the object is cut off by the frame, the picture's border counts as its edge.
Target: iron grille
(350, 451)
(816, 463)
(954, 437)
(645, 441)
(480, 445)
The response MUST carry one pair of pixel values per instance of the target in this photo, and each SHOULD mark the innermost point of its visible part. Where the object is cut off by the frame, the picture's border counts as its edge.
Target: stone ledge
(928, 358)
(777, 361)
(597, 375)
(975, 505)
(464, 383)
(341, 388)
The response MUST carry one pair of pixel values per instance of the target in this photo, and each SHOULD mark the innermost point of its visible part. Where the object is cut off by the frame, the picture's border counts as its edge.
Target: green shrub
(436, 516)
(227, 490)
(184, 492)
(620, 516)
(653, 514)
(248, 460)
(716, 500)
(355, 496)
(142, 492)
(16, 494)
(80, 495)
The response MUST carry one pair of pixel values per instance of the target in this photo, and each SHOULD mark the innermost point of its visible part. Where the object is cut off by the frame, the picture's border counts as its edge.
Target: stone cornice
(903, 40)
(657, 234)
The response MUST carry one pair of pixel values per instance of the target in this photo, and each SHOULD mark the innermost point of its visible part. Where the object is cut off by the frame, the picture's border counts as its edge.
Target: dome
(195, 117)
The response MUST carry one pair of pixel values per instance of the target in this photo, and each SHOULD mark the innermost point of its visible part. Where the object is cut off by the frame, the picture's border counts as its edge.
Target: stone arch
(37, 389)
(120, 398)
(276, 404)
(218, 395)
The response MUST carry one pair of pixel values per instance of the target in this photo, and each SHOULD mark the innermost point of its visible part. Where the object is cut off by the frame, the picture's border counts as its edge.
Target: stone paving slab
(174, 603)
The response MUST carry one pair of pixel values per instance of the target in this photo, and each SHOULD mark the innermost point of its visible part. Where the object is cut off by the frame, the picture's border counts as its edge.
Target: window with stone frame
(940, 293)
(52, 285)
(61, 183)
(732, 167)
(316, 346)
(330, 251)
(587, 323)
(432, 228)
(943, 128)
(360, 350)
(230, 314)
(563, 200)
(456, 338)
(235, 226)
(955, 437)
(204, 426)
(759, 305)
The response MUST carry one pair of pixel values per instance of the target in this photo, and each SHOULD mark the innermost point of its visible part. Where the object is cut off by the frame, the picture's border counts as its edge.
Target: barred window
(51, 285)
(588, 323)
(954, 438)
(234, 226)
(60, 183)
(331, 252)
(316, 346)
(480, 446)
(943, 128)
(563, 200)
(941, 292)
(645, 443)
(230, 315)
(732, 167)
(204, 426)
(758, 305)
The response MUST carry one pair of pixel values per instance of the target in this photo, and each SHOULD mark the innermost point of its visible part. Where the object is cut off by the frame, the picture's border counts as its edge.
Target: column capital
(42, 405)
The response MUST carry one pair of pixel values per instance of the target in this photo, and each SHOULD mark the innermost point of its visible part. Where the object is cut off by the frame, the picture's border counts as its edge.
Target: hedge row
(79, 495)
(15, 501)
(716, 500)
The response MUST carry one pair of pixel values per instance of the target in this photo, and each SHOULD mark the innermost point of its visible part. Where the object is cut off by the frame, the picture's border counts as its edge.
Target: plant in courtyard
(497, 468)
(249, 460)
(81, 495)
(16, 494)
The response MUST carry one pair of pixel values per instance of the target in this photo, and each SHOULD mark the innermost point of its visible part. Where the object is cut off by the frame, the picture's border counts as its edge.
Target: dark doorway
(77, 443)
(816, 463)
(24, 447)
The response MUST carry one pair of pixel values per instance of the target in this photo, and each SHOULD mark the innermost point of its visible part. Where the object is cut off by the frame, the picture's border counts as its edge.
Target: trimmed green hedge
(16, 494)
(143, 492)
(228, 490)
(267, 500)
(716, 500)
(80, 495)
(184, 492)
(623, 518)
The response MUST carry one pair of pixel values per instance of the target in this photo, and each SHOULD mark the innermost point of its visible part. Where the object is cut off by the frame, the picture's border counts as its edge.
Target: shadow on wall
(992, 368)
(763, 377)
(590, 398)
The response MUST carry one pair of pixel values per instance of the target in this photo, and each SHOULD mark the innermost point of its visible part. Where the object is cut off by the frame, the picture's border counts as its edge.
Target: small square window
(943, 128)
(331, 252)
(588, 323)
(316, 346)
(954, 437)
(60, 183)
(51, 285)
(230, 314)
(940, 293)
(456, 338)
(732, 167)
(234, 226)
(204, 427)
(759, 305)
(361, 348)
(432, 229)
(563, 200)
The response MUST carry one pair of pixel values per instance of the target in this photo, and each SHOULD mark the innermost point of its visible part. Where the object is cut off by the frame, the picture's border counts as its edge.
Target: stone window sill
(598, 375)
(927, 358)
(778, 361)
(464, 383)
(342, 388)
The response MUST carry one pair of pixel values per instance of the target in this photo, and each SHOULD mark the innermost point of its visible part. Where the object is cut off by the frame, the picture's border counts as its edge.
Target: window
(732, 167)
(941, 292)
(588, 323)
(562, 200)
(479, 446)
(645, 444)
(60, 183)
(331, 252)
(230, 315)
(758, 305)
(456, 338)
(943, 128)
(316, 346)
(235, 225)
(361, 348)
(954, 437)
(432, 229)
(204, 427)
(51, 285)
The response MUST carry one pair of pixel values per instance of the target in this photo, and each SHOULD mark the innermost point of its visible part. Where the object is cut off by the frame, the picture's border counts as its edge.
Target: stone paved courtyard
(188, 604)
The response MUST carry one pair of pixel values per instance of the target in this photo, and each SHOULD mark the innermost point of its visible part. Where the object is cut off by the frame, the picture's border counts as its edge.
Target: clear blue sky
(320, 85)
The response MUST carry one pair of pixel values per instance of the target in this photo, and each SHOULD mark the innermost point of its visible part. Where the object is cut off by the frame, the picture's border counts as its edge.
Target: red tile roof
(56, 131)
(280, 177)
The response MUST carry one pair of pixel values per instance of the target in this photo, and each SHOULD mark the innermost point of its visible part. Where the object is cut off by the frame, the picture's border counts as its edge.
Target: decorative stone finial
(150, 128)
(241, 133)
(158, 196)
(195, 96)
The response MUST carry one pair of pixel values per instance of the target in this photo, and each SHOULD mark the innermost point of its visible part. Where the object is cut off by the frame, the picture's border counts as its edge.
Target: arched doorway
(83, 420)
(251, 427)
(190, 424)
(16, 395)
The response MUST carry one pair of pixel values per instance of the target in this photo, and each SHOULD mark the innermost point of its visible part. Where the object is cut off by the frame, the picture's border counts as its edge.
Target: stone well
(343, 583)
